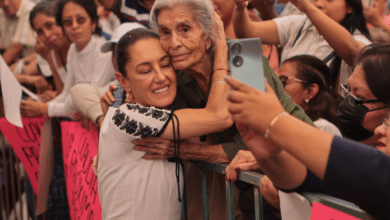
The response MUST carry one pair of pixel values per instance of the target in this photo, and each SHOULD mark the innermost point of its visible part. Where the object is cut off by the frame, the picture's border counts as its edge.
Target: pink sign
(79, 147)
(323, 212)
(25, 142)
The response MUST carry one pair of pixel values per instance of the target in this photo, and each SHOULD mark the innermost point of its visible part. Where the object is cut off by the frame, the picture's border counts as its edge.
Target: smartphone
(246, 62)
(118, 95)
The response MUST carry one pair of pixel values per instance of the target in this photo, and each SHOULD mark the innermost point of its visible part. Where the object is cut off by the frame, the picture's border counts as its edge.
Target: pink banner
(25, 142)
(79, 147)
(323, 212)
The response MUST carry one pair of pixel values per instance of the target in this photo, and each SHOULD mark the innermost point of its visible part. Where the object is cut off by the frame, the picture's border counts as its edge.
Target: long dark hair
(313, 71)
(352, 22)
(129, 39)
(375, 61)
(88, 5)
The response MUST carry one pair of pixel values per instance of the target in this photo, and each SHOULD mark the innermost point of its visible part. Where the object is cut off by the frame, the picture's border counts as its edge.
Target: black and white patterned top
(128, 116)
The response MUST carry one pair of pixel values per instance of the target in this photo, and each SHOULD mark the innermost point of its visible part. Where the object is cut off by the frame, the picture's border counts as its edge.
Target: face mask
(350, 119)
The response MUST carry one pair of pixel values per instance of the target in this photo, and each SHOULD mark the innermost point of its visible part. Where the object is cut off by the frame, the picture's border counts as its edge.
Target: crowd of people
(321, 125)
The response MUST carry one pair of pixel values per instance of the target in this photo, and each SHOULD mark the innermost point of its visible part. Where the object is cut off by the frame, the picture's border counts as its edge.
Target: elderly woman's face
(182, 37)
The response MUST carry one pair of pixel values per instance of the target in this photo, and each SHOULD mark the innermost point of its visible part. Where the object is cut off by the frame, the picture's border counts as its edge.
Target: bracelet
(272, 123)
(227, 70)
(221, 81)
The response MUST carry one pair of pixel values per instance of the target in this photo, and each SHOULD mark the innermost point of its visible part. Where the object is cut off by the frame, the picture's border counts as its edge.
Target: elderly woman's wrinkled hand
(219, 30)
(244, 160)
(155, 148)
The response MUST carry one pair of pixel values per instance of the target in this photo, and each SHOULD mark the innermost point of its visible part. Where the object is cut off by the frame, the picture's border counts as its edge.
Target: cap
(118, 33)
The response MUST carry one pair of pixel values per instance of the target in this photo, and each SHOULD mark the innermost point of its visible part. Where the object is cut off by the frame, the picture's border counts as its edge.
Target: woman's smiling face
(150, 77)
(182, 37)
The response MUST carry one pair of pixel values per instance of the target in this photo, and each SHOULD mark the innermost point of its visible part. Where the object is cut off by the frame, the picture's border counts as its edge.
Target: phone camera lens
(236, 48)
(238, 61)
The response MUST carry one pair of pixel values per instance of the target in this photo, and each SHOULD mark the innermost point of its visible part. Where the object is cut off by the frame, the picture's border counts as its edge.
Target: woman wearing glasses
(306, 79)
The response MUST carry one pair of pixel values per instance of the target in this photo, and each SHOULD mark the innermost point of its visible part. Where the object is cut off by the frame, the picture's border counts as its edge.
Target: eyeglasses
(284, 79)
(352, 99)
(69, 21)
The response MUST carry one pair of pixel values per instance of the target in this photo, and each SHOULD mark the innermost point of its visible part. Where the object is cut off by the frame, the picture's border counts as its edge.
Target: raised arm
(336, 35)
(245, 28)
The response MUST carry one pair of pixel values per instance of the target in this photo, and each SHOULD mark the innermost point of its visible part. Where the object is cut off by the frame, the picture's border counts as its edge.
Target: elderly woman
(185, 28)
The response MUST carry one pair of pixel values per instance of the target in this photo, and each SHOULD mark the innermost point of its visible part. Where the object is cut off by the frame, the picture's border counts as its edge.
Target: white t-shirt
(87, 66)
(129, 186)
(310, 41)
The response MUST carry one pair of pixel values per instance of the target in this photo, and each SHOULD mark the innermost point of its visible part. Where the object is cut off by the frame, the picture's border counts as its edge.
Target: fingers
(231, 172)
(248, 166)
(237, 85)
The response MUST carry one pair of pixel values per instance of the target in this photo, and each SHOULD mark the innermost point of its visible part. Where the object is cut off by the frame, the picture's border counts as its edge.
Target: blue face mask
(351, 119)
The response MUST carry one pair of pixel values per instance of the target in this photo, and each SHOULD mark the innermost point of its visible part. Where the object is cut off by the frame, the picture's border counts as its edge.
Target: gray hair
(203, 12)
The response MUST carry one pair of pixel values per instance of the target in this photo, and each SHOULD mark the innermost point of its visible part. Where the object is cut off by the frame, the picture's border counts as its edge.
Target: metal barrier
(12, 204)
(254, 179)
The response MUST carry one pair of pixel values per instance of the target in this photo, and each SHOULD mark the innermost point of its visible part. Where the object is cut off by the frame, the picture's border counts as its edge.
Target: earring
(208, 47)
(307, 101)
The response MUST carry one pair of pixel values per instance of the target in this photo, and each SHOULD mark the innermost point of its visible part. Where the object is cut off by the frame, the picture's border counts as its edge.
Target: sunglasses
(69, 21)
